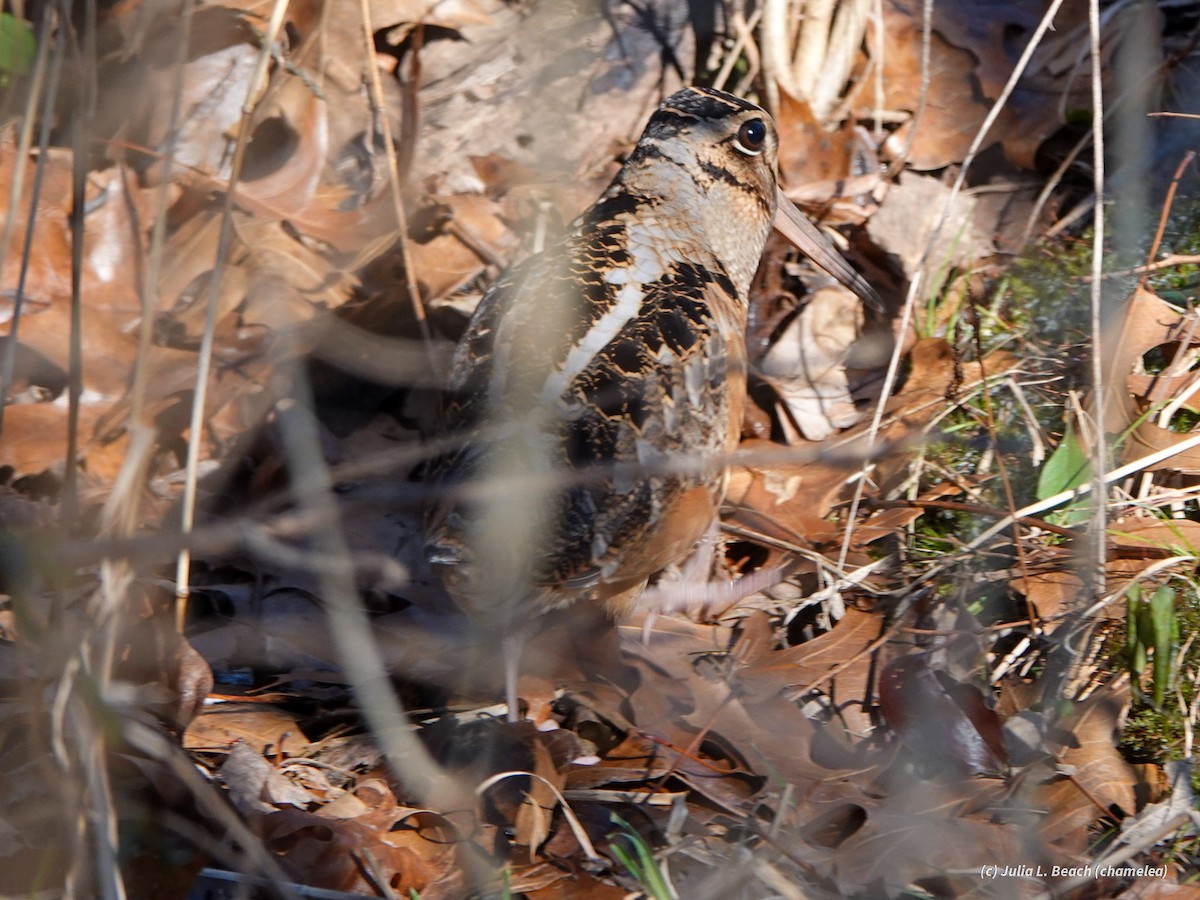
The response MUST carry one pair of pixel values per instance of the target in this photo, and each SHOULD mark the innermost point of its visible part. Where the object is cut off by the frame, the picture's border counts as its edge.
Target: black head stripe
(690, 105)
(706, 103)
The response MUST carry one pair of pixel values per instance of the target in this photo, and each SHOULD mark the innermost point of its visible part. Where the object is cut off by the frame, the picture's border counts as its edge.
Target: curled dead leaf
(1150, 324)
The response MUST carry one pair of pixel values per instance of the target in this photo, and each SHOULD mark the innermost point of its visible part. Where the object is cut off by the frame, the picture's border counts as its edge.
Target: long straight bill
(794, 226)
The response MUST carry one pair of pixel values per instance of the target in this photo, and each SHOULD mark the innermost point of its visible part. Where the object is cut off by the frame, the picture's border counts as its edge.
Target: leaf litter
(837, 720)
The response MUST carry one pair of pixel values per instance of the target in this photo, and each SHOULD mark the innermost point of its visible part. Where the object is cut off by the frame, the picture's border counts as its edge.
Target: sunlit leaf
(1163, 625)
(1067, 468)
(17, 46)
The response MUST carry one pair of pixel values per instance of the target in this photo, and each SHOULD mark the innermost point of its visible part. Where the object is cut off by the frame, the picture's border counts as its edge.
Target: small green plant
(1152, 736)
(506, 891)
(17, 47)
(1067, 468)
(640, 862)
(1151, 625)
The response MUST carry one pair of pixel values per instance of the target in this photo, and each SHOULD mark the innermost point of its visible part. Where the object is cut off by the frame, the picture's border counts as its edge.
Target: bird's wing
(653, 412)
(639, 403)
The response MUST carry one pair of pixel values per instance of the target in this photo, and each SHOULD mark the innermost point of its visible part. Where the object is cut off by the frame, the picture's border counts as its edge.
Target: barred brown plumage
(598, 390)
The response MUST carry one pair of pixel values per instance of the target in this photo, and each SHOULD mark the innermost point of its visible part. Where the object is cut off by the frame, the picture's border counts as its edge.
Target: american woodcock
(599, 388)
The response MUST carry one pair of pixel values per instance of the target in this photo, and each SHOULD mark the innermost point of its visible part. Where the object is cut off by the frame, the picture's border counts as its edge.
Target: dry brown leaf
(1150, 323)
(888, 521)
(918, 838)
(189, 256)
(840, 660)
(1054, 593)
(34, 437)
(431, 12)
(346, 806)
(1100, 782)
(264, 729)
(786, 500)
(995, 34)
(327, 853)
(135, 109)
(946, 724)
(789, 501)
(533, 818)
(807, 151)
(288, 151)
(371, 803)
(288, 281)
(905, 221)
(952, 112)
(489, 94)
(457, 255)
(254, 785)
(806, 364)
(1178, 537)
(973, 49)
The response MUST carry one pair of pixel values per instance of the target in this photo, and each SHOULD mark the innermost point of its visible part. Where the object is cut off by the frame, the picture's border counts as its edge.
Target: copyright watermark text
(1087, 871)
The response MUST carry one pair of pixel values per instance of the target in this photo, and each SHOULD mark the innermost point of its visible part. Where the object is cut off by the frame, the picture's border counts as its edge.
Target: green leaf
(1067, 468)
(1162, 623)
(17, 45)
(641, 863)
(1134, 645)
(1139, 659)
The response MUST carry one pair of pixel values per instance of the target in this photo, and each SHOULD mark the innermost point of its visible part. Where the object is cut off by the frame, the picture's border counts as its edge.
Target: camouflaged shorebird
(614, 364)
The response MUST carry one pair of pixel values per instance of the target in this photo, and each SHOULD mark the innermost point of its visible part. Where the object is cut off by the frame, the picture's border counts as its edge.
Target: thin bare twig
(121, 506)
(8, 364)
(1166, 211)
(389, 152)
(196, 427)
(1099, 450)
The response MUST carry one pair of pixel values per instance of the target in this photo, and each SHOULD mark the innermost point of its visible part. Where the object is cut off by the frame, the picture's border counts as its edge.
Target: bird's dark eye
(751, 137)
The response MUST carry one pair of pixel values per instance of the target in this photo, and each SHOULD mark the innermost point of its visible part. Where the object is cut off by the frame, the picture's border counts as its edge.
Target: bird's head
(710, 160)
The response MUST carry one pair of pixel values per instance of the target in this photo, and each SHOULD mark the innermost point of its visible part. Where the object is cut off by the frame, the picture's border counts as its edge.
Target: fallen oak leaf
(1150, 322)
(943, 722)
(1092, 780)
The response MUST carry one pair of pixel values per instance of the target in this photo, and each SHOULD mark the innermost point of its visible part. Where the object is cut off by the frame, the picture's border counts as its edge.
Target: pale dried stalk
(1107, 478)
(1099, 449)
(845, 38)
(121, 507)
(375, 93)
(879, 60)
(349, 625)
(812, 44)
(577, 829)
(826, 35)
(776, 59)
(77, 753)
(744, 30)
(8, 360)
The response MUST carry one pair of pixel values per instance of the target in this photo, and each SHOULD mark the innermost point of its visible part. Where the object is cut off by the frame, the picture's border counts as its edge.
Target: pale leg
(511, 646)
